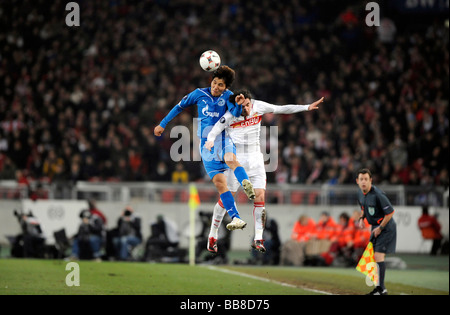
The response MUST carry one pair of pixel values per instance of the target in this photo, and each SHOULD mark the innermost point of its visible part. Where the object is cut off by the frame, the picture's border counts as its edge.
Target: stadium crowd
(79, 103)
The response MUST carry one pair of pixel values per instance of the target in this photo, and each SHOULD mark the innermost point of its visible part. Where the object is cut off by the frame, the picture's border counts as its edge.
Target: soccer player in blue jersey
(212, 103)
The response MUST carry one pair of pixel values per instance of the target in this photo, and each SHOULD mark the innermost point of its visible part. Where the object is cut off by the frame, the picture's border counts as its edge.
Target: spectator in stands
(129, 233)
(179, 174)
(90, 171)
(8, 170)
(22, 178)
(161, 173)
(135, 164)
(53, 165)
(431, 229)
(386, 31)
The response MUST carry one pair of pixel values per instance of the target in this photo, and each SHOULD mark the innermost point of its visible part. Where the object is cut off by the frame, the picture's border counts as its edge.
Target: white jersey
(245, 131)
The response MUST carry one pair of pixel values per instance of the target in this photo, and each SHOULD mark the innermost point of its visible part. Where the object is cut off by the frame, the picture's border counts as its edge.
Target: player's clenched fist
(239, 99)
(158, 131)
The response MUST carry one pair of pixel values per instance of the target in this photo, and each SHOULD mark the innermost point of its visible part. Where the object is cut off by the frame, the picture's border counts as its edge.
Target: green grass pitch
(48, 277)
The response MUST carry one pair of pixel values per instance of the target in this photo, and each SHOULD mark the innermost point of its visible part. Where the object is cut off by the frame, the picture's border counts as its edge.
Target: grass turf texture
(43, 277)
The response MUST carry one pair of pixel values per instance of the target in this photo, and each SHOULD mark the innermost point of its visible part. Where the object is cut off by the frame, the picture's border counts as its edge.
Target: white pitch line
(266, 280)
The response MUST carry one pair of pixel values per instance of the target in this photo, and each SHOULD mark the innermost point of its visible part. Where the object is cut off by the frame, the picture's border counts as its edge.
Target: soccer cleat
(212, 245)
(259, 245)
(378, 291)
(248, 189)
(236, 224)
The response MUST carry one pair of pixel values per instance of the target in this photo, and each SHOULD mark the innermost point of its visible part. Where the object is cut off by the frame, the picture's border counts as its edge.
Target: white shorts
(253, 164)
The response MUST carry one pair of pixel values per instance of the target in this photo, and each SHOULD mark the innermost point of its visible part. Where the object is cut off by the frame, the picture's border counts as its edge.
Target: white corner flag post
(194, 202)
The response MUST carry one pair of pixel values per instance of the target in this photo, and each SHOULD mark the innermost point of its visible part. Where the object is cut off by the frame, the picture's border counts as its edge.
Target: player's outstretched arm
(188, 100)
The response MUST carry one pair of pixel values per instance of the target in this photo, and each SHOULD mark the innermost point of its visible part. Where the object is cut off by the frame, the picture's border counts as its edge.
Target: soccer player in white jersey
(245, 133)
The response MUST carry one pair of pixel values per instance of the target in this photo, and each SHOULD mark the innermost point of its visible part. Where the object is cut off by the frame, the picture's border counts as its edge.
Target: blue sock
(240, 174)
(229, 204)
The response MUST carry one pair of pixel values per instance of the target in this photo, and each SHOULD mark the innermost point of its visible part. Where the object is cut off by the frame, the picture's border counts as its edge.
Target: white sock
(259, 218)
(216, 220)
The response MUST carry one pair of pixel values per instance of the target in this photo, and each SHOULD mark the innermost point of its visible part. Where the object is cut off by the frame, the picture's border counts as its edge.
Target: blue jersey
(210, 109)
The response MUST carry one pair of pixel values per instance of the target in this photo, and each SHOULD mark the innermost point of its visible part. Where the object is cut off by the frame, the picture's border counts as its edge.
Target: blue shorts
(213, 160)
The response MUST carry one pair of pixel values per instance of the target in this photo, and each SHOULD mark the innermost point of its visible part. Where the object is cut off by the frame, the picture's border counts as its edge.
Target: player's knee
(220, 182)
(230, 160)
(260, 196)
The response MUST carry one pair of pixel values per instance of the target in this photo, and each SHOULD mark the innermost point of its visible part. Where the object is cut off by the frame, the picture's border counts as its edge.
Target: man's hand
(361, 224)
(240, 99)
(376, 231)
(158, 131)
(208, 145)
(315, 105)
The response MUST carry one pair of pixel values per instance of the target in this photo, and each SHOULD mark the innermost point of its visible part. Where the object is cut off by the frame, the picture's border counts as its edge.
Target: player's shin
(259, 215)
(219, 212)
(240, 174)
(229, 204)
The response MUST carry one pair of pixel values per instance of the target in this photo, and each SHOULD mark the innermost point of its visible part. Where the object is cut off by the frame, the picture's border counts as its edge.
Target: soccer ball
(209, 60)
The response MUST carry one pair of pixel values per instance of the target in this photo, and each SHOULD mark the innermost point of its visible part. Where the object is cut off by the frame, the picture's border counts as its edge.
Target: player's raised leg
(228, 202)
(240, 173)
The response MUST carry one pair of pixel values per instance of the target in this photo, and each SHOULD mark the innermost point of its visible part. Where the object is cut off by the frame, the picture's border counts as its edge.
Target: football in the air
(209, 60)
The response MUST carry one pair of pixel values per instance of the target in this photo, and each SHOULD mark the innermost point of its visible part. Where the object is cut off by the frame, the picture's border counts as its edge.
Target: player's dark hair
(225, 73)
(364, 171)
(245, 92)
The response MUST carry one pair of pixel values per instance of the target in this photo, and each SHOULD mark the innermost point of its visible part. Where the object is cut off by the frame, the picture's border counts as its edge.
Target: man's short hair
(364, 171)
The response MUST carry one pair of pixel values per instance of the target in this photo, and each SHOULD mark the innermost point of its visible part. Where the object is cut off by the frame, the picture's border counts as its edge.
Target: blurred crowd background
(80, 103)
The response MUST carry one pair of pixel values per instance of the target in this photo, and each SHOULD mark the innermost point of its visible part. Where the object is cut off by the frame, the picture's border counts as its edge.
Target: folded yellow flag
(367, 264)
(194, 198)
